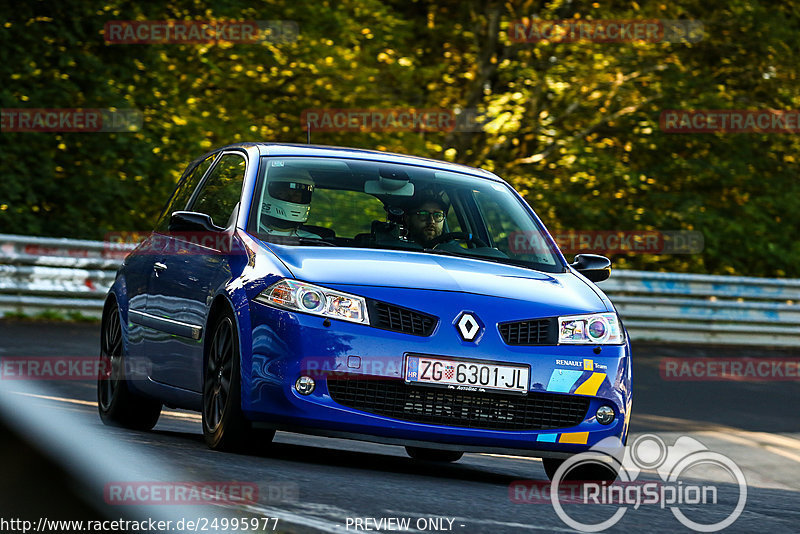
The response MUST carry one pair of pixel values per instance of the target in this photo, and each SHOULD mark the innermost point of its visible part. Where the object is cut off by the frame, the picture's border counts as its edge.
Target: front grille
(491, 411)
(399, 319)
(532, 332)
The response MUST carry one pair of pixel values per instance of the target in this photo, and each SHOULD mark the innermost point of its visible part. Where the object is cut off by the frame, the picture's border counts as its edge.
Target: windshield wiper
(539, 267)
(314, 241)
(457, 254)
(402, 248)
(493, 259)
(295, 240)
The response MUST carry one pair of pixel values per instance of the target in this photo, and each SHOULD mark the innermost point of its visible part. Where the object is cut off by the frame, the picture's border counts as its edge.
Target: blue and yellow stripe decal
(578, 382)
(562, 380)
(591, 385)
(578, 438)
(566, 381)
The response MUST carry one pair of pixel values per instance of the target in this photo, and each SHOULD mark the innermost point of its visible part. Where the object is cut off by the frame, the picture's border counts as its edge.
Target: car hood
(417, 270)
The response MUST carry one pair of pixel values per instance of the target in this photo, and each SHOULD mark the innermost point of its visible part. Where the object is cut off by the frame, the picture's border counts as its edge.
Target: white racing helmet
(287, 196)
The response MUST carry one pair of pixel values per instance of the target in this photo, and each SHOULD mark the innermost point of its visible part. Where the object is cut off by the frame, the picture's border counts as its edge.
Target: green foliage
(575, 126)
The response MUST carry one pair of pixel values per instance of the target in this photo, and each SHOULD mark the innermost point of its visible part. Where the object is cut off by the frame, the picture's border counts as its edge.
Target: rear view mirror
(190, 221)
(391, 183)
(593, 266)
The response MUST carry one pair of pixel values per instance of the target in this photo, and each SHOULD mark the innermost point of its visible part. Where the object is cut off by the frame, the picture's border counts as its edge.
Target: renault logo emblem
(468, 326)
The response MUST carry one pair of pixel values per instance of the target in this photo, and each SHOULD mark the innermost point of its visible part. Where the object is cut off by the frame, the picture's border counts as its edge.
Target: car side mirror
(190, 221)
(593, 266)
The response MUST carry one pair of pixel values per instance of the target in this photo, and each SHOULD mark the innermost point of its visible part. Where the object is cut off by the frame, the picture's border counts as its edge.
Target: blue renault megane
(364, 295)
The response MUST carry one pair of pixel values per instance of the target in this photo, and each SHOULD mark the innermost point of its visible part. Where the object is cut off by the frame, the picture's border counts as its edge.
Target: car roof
(298, 150)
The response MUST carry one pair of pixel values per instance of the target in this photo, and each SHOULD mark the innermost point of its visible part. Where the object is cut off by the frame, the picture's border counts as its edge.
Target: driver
(426, 221)
(286, 203)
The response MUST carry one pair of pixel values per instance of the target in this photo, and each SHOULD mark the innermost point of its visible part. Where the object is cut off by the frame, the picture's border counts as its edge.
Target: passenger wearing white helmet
(286, 203)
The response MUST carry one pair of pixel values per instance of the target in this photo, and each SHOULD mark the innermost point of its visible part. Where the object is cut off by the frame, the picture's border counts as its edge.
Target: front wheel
(224, 425)
(434, 455)
(116, 403)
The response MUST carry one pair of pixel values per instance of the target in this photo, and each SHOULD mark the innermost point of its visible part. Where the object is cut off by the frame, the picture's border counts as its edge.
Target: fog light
(305, 385)
(605, 415)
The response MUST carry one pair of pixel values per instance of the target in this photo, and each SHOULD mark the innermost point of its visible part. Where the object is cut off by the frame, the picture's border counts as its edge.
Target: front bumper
(286, 345)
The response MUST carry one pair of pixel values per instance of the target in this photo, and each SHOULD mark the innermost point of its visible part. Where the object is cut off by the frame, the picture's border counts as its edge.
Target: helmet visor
(294, 192)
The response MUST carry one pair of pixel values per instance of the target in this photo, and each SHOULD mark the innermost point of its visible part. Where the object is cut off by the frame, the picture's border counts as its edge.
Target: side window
(222, 189)
(498, 222)
(453, 224)
(182, 194)
(505, 221)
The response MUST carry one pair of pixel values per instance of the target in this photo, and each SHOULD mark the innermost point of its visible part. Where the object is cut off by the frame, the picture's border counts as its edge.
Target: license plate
(467, 375)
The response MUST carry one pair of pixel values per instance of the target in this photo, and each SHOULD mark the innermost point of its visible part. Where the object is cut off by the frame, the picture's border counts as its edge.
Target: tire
(585, 471)
(433, 455)
(224, 425)
(116, 403)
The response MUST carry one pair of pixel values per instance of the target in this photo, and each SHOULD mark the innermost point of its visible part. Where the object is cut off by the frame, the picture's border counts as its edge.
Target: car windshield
(371, 204)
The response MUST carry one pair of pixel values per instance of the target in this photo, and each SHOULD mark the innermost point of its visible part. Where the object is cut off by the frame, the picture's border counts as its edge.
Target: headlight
(308, 298)
(595, 329)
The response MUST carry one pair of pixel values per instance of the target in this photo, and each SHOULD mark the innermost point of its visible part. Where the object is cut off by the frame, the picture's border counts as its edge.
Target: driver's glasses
(423, 215)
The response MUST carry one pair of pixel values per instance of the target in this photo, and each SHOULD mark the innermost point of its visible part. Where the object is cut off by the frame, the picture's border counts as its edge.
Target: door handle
(160, 266)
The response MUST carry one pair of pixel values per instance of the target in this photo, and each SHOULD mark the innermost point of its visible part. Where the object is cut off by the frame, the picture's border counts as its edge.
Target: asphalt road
(313, 484)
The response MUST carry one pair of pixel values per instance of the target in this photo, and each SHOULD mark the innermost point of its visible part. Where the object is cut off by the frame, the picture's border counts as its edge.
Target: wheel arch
(219, 305)
(241, 317)
(112, 299)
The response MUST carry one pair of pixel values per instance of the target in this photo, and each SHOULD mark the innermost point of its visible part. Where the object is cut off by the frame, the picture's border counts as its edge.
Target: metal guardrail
(38, 274)
(49, 274)
(695, 308)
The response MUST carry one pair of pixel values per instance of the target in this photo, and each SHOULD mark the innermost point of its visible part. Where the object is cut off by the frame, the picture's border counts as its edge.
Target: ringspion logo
(676, 489)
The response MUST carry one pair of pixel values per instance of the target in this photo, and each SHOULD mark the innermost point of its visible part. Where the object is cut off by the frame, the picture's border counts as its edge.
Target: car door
(193, 266)
(143, 264)
(138, 274)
